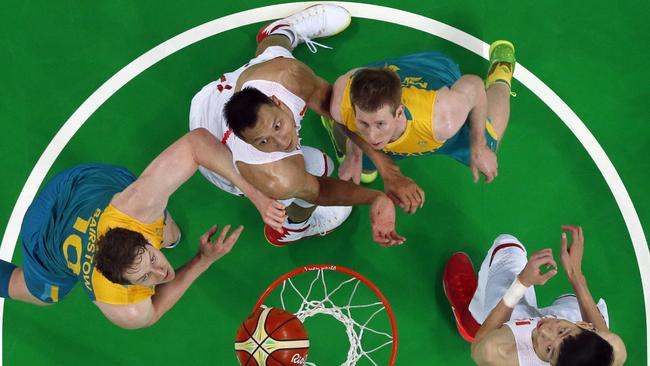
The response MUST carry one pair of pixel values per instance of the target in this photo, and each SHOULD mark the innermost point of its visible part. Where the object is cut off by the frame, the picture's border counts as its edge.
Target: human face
(150, 268)
(549, 335)
(380, 127)
(275, 129)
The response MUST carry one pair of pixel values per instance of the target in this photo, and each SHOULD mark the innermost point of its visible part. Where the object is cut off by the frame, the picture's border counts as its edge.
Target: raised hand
(382, 220)
(532, 273)
(571, 256)
(211, 250)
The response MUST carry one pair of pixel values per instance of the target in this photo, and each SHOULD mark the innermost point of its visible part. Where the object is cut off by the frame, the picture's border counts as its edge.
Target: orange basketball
(271, 337)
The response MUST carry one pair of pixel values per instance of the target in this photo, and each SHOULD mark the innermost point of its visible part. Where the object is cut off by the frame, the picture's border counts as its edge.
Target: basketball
(271, 337)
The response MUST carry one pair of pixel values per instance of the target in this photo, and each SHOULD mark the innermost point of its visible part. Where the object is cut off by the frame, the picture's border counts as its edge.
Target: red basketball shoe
(322, 221)
(316, 21)
(459, 283)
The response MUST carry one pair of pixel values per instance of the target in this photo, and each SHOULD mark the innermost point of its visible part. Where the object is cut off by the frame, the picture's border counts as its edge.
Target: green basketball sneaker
(502, 63)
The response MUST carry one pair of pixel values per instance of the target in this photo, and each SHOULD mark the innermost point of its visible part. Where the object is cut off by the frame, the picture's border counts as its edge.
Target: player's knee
(7, 270)
(503, 238)
(474, 80)
(280, 188)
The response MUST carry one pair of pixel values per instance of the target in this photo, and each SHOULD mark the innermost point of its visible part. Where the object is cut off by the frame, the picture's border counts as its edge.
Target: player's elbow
(132, 318)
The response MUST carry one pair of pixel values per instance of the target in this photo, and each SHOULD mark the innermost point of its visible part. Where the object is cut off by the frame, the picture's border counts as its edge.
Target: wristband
(514, 293)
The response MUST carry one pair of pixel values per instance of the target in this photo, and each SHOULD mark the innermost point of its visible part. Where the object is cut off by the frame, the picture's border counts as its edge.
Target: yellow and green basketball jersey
(418, 137)
(112, 293)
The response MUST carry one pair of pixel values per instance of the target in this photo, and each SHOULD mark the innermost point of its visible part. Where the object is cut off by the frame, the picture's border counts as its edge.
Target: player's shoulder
(496, 348)
(620, 352)
(338, 93)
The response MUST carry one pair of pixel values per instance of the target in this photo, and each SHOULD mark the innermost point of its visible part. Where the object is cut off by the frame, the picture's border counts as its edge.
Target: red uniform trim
(226, 136)
(503, 246)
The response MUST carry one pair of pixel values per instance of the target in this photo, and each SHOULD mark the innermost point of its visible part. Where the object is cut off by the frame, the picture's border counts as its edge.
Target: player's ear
(585, 325)
(399, 111)
(276, 101)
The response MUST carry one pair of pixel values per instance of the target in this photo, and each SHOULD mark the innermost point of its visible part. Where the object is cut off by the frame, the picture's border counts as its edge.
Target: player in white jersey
(256, 112)
(498, 313)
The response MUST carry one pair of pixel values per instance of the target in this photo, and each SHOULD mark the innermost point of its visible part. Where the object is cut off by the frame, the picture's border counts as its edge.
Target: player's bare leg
(498, 83)
(18, 289)
(297, 214)
(273, 40)
(498, 96)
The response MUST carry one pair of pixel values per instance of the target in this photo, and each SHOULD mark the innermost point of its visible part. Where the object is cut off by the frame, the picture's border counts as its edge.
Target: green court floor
(54, 55)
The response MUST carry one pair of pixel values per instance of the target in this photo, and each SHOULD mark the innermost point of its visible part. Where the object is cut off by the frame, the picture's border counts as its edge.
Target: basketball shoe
(502, 63)
(316, 21)
(322, 221)
(459, 283)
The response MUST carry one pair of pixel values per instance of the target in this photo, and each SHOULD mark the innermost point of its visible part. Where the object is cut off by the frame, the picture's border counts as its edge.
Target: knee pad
(6, 269)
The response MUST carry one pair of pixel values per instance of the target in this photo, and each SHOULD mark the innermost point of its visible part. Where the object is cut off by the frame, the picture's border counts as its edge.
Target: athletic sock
(296, 225)
(287, 32)
(6, 269)
(501, 73)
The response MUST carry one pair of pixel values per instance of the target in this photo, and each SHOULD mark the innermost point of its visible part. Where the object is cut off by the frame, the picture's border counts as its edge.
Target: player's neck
(534, 334)
(401, 128)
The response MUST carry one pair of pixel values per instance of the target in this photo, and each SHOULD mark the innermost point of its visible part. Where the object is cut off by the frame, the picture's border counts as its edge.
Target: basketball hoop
(305, 296)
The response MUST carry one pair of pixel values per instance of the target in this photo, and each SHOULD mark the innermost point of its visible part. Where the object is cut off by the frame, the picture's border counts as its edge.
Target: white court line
(373, 12)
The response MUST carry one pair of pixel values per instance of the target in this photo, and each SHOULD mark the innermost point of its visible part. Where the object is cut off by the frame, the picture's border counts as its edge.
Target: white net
(339, 300)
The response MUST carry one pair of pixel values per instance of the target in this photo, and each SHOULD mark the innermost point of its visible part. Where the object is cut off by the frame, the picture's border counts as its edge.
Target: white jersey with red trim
(523, 332)
(208, 105)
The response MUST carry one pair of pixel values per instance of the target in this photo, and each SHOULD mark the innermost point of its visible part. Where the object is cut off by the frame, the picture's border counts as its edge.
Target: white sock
(287, 32)
(295, 226)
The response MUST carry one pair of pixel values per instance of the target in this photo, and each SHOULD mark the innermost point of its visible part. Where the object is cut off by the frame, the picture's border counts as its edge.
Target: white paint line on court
(373, 12)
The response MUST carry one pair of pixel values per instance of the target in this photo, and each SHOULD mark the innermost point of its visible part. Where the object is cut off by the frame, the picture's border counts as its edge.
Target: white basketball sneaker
(316, 21)
(322, 221)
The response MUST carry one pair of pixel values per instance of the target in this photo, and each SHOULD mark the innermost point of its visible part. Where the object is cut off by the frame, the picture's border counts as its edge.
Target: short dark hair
(242, 109)
(117, 251)
(585, 349)
(372, 89)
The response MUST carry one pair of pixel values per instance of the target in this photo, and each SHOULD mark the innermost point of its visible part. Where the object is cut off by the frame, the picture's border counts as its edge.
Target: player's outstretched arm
(287, 178)
(147, 312)
(467, 97)
(571, 258)
(529, 276)
(147, 197)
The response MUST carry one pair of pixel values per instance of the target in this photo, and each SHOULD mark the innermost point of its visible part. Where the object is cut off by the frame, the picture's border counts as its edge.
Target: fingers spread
(232, 238)
(222, 236)
(206, 236)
